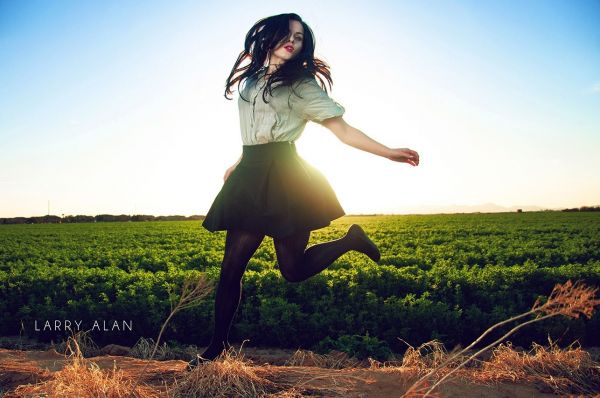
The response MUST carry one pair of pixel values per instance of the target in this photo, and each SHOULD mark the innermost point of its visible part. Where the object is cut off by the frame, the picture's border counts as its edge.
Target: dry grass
(82, 379)
(226, 376)
(333, 360)
(143, 349)
(86, 346)
(565, 371)
(311, 381)
(231, 375)
(569, 299)
(430, 355)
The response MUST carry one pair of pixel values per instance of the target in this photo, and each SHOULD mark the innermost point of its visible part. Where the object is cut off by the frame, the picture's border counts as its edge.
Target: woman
(271, 190)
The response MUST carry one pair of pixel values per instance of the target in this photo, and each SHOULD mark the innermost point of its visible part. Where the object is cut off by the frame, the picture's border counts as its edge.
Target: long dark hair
(265, 36)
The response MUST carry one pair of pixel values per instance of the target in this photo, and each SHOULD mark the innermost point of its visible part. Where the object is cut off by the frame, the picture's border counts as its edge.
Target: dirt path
(23, 367)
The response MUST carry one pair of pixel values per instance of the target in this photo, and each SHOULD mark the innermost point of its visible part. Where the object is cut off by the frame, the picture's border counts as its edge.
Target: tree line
(52, 219)
(584, 208)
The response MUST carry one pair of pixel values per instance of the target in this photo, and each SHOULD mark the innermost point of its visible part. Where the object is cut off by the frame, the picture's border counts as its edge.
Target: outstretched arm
(357, 139)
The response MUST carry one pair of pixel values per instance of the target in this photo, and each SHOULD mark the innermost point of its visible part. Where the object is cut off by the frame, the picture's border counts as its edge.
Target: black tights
(295, 263)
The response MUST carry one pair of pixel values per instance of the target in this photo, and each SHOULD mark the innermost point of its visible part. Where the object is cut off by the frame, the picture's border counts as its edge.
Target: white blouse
(285, 115)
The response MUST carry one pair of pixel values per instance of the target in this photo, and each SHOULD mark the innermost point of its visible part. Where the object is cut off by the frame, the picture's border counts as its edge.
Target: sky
(117, 107)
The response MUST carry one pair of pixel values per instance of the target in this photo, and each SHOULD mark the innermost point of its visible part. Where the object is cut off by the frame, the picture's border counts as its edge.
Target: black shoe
(194, 363)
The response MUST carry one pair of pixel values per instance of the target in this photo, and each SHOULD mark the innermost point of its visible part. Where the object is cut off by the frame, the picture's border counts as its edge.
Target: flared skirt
(273, 191)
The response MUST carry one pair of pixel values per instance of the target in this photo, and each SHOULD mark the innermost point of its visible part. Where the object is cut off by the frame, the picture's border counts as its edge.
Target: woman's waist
(269, 149)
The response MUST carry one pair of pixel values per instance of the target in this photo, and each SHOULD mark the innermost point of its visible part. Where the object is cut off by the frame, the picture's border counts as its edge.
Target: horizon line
(515, 210)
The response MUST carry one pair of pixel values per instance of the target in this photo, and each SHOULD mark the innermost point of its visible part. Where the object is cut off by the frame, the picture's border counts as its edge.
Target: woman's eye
(296, 39)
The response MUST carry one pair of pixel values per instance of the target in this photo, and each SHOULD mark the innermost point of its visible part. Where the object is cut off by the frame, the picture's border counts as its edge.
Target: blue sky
(117, 106)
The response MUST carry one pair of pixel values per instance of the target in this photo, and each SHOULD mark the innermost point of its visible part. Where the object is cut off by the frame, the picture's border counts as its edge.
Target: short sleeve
(315, 104)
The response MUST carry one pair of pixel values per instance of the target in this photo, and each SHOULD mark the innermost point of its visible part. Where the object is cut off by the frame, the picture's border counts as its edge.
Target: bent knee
(289, 274)
(292, 278)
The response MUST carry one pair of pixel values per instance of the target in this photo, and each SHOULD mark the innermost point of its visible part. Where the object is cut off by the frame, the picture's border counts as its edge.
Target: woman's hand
(229, 171)
(404, 155)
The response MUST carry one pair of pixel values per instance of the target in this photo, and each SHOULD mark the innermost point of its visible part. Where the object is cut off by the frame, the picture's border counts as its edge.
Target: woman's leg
(297, 264)
(239, 248)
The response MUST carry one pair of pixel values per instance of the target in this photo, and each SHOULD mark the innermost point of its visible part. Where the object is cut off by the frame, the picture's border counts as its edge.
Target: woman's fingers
(413, 156)
(228, 172)
(406, 155)
(412, 153)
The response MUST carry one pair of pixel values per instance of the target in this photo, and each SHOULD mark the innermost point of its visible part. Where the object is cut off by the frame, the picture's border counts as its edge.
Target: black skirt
(273, 191)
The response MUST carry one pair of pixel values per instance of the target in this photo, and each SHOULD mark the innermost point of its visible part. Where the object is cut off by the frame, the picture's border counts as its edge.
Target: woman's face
(291, 45)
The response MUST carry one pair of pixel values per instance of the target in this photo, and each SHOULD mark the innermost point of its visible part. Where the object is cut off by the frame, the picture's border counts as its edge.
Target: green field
(441, 276)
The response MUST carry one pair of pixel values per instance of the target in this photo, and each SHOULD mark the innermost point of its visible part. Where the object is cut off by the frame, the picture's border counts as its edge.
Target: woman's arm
(357, 139)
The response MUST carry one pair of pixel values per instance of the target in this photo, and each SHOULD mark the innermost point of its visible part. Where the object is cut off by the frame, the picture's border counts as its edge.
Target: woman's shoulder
(308, 85)
(313, 101)
(306, 80)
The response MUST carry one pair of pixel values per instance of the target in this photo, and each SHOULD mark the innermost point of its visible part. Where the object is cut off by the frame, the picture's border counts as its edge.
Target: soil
(19, 367)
